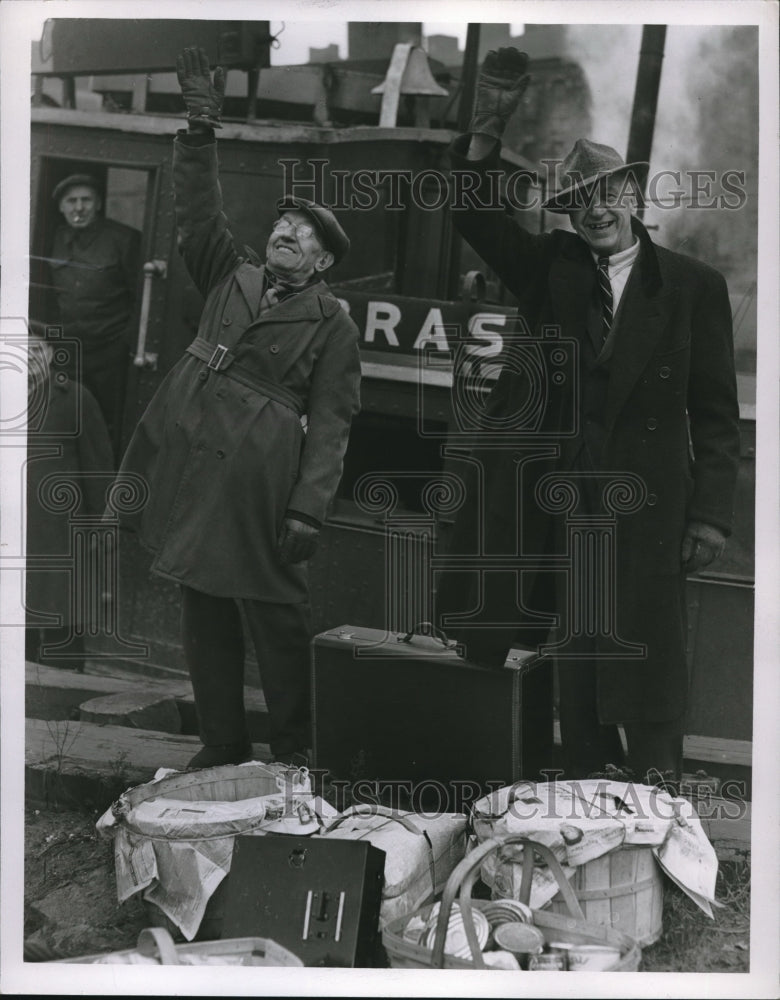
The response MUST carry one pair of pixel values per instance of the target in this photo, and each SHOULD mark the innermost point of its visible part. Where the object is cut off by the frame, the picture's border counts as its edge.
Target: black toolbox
(318, 898)
(408, 713)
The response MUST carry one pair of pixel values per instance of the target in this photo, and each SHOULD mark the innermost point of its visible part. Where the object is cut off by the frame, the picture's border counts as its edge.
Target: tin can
(553, 960)
(520, 939)
(592, 958)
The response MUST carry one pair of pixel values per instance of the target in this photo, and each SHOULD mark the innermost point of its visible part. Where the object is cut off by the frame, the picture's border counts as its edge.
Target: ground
(71, 907)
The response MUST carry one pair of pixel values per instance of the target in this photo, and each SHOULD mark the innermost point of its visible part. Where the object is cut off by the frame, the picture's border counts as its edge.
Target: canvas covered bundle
(421, 851)
(581, 821)
(174, 836)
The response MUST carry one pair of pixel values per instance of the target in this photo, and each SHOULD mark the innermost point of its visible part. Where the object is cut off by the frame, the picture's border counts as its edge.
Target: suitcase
(409, 714)
(318, 898)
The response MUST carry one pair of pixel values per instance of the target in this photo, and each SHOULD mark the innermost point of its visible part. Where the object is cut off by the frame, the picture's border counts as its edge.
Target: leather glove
(500, 85)
(297, 541)
(202, 97)
(702, 544)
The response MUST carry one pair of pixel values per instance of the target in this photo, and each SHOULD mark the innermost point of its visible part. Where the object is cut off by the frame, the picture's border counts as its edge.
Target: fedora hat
(333, 236)
(76, 180)
(586, 165)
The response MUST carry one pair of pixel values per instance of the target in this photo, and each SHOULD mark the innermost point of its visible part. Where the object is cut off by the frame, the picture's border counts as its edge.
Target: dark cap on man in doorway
(76, 180)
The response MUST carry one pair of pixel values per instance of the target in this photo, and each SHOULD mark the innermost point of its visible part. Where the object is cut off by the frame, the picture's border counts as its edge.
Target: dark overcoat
(670, 425)
(224, 452)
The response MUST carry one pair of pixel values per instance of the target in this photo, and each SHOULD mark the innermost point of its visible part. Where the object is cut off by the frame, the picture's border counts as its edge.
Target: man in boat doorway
(94, 265)
(641, 458)
(238, 489)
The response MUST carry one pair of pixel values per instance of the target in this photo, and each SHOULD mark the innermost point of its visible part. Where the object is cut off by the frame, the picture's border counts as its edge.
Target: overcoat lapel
(251, 281)
(643, 317)
(571, 288)
(303, 306)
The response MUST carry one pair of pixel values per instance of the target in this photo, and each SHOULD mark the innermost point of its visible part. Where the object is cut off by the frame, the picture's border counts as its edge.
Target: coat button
(226, 321)
(665, 371)
(220, 454)
(652, 499)
(274, 348)
(651, 424)
(203, 376)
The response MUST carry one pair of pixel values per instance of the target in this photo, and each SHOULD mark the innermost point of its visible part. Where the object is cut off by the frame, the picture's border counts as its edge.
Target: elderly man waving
(238, 487)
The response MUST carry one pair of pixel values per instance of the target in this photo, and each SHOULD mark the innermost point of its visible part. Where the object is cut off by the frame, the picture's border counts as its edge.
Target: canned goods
(520, 939)
(592, 958)
(549, 961)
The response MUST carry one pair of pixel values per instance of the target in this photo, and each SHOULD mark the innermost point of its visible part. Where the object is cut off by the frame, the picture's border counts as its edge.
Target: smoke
(609, 56)
(716, 71)
(706, 120)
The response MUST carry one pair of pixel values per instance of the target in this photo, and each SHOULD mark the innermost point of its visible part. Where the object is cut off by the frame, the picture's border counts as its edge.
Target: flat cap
(333, 236)
(87, 180)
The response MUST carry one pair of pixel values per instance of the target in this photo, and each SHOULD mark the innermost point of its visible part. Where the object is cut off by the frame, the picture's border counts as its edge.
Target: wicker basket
(156, 943)
(574, 929)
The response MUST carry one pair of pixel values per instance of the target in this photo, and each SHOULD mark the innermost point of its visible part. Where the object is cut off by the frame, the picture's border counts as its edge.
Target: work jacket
(222, 446)
(668, 430)
(95, 273)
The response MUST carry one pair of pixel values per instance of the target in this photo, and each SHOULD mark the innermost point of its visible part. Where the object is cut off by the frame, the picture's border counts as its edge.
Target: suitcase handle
(464, 875)
(430, 630)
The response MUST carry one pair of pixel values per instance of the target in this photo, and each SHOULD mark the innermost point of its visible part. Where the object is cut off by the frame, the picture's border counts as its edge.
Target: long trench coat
(223, 449)
(670, 424)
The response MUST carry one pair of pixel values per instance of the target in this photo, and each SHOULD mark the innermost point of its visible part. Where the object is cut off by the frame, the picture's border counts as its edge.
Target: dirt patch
(70, 903)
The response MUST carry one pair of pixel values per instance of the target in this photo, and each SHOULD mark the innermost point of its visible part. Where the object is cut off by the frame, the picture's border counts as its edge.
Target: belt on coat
(221, 360)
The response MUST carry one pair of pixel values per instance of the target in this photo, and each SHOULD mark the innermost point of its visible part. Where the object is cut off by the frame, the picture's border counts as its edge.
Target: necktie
(270, 298)
(276, 291)
(605, 290)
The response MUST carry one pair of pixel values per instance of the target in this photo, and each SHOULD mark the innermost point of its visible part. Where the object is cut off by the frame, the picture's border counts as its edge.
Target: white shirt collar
(622, 258)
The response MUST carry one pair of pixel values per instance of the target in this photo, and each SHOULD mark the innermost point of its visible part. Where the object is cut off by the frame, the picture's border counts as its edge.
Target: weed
(63, 734)
(691, 942)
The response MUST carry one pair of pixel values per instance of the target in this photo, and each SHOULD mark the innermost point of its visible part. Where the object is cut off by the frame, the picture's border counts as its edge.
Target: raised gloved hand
(297, 541)
(202, 97)
(500, 86)
(702, 544)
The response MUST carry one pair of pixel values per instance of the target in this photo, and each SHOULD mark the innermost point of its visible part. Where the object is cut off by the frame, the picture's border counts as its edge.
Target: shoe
(296, 758)
(224, 753)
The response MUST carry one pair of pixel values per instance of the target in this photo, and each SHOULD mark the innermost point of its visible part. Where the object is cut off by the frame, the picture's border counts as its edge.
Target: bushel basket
(555, 927)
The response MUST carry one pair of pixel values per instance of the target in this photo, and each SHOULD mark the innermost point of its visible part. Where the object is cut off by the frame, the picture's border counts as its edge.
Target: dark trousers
(213, 641)
(588, 744)
(103, 371)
